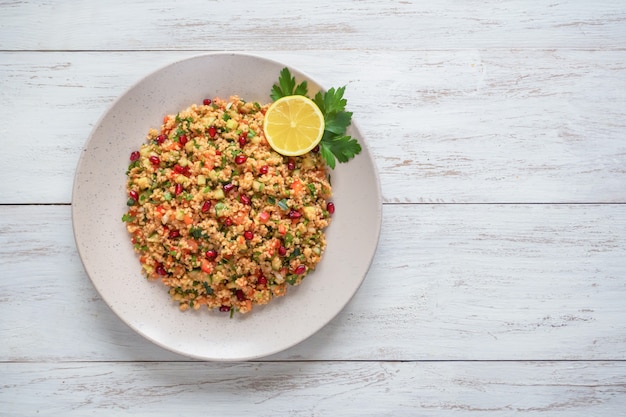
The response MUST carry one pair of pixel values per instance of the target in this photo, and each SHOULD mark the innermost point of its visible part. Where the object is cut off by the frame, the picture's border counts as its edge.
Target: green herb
(207, 288)
(283, 204)
(127, 218)
(335, 144)
(197, 232)
(287, 86)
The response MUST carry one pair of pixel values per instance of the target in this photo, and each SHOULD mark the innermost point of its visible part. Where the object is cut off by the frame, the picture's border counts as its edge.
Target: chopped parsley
(335, 144)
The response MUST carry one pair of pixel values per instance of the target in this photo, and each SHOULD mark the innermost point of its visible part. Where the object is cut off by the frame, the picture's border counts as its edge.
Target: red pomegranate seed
(330, 207)
(174, 234)
(248, 235)
(134, 156)
(224, 309)
(245, 199)
(178, 169)
(301, 269)
(211, 254)
(263, 170)
(242, 141)
(293, 214)
(316, 149)
(160, 139)
(218, 152)
(154, 160)
(206, 206)
(183, 140)
(240, 295)
(282, 251)
(178, 189)
(262, 280)
(228, 222)
(228, 187)
(240, 159)
(206, 102)
(161, 270)
(291, 164)
(212, 131)
(134, 195)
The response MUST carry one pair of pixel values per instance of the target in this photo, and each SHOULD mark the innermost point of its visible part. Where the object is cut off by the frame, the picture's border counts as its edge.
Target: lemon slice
(293, 125)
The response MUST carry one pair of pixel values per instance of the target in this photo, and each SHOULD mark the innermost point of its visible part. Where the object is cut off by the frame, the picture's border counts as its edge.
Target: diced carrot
(166, 119)
(188, 219)
(282, 229)
(159, 211)
(297, 187)
(206, 266)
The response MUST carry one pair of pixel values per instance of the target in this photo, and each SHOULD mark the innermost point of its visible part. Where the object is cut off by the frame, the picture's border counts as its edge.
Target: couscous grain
(218, 216)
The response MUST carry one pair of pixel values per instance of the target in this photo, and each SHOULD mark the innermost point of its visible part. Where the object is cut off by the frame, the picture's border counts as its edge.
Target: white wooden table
(499, 285)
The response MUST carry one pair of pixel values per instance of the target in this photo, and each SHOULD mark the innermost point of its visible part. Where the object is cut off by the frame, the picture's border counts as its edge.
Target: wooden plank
(449, 282)
(315, 388)
(324, 25)
(468, 126)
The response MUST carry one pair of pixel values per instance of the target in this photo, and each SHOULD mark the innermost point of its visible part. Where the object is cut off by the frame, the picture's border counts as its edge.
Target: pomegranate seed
(134, 195)
(160, 139)
(301, 269)
(282, 251)
(212, 131)
(228, 187)
(330, 207)
(206, 206)
(134, 156)
(178, 189)
(262, 280)
(291, 164)
(178, 169)
(183, 140)
(206, 102)
(174, 234)
(293, 214)
(242, 141)
(161, 270)
(248, 235)
(240, 295)
(263, 170)
(218, 152)
(228, 222)
(245, 199)
(154, 160)
(224, 309)
(211, 254)
(187, 171)
(316, 149)
(240, 159)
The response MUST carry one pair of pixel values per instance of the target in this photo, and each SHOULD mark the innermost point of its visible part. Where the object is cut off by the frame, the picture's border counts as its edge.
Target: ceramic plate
(98, 203)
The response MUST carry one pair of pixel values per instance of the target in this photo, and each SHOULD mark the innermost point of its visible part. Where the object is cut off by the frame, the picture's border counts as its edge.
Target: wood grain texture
(315, 389)
(322, 25)
(498, 130)
(464, 126)
(449, 282)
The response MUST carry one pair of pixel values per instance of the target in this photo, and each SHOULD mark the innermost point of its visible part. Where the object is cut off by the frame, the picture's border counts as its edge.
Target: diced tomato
(282, 229)
(264, 216)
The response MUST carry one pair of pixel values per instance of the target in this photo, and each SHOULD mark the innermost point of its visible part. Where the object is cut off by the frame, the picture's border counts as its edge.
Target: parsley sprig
(335, 144)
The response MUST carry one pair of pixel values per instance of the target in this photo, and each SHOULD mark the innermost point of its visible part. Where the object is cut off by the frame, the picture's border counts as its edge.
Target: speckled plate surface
(98, 203)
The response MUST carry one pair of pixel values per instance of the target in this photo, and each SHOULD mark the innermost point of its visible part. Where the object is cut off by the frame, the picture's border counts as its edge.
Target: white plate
(98, 203)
